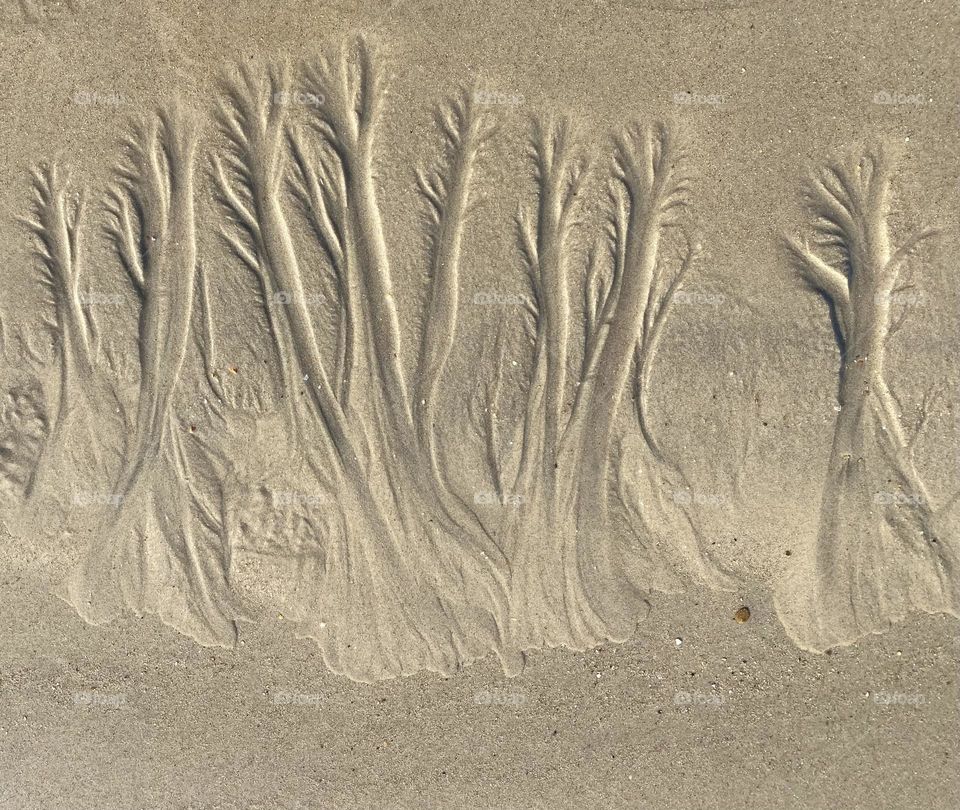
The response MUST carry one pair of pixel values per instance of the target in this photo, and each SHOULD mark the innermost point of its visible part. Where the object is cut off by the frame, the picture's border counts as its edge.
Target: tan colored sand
(281, 425)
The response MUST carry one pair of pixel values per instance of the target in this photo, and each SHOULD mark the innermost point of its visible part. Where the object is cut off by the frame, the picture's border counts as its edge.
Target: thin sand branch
(447, 193)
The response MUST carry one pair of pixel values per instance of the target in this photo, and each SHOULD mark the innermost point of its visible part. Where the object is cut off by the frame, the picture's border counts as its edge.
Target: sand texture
(447, 368)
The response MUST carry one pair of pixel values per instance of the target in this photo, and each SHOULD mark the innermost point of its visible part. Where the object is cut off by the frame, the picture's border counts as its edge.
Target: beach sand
(409, 405)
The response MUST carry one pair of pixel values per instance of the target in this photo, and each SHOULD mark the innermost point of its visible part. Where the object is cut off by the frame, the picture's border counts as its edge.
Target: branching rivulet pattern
(412, 574)
(575, 582)
(411, 578)
(159, 545)
(879, 551)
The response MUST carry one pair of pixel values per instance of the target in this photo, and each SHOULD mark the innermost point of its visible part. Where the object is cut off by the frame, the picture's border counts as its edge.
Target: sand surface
(410, 405)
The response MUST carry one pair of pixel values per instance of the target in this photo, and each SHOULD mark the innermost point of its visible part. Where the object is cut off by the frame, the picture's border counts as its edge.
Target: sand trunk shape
(151, 552)
(879, 553)
(411, 581)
